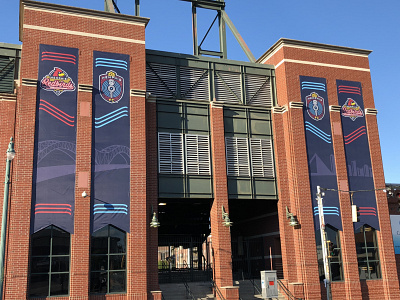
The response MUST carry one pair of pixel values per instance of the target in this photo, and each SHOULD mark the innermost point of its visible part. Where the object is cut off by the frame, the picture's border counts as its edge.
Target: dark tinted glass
(100, 241)
(363, 270)
(117, 262)
(117, 282)
(60, 264)
(41, 242)
(40, 264)
(375, 270)
(59, 284)
(39, 285)
(369, 236)
(61, 242)
(117, 240)
(99, 263)
(98, 282)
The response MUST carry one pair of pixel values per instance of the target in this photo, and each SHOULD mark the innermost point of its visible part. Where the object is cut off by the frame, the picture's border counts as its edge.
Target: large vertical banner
(357, 153)
(321, 160)
(111, 140)
(54, 168)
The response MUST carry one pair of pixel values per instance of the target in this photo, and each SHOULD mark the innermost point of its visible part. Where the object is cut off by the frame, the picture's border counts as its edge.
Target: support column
(347, 241)
(80, 240)
(221, 237)
(137, 265)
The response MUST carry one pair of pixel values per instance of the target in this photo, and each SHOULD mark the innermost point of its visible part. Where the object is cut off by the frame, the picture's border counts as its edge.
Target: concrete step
(177, 291)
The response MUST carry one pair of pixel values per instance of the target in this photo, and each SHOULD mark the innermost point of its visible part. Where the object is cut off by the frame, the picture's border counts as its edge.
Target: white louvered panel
(170, 153)
(194, 84)
(237, 156)
(262, 160)
(161, 80)
(258, 90)
(227, 87)
(197, 154)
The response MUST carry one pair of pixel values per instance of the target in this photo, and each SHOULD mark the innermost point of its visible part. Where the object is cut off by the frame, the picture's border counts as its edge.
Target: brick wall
(87, 31)
(292, 59)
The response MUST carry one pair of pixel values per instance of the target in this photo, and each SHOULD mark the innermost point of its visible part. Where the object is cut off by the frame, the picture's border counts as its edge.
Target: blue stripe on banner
(318, 132)
(308, 85)
(114, 63)
(328, 210)
(110, 208)
(111, 117)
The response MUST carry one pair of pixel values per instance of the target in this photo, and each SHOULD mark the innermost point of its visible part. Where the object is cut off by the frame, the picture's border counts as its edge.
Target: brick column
(80, 240)
(221, 237)
(286, 231)
(385, 240)
(137, 255)
(300, 205)
(16, 278)
(348, 245)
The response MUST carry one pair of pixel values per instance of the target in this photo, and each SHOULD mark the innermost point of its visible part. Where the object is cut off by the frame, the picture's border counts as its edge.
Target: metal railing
(188, 291)
(286, 291)
(255, 287)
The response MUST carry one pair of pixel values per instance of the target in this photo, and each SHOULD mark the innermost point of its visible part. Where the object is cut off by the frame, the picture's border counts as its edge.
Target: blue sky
(367, 24)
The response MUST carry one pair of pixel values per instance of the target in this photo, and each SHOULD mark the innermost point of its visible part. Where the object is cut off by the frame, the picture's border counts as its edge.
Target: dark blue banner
(357, 153)
(111, 140)
(54, 167)
(321, 160)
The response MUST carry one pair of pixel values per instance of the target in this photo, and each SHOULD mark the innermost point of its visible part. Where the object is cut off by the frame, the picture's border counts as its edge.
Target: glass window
(334, 254)
(108, 261)
(367, 253)
(50, 256)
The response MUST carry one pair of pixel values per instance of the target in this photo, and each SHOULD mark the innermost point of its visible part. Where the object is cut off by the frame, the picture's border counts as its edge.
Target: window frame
(375, 247)
(108, 270)
(338, 257)
(50, 256)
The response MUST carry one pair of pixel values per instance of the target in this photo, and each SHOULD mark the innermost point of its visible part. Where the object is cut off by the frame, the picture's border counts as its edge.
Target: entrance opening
(184, 240)
(255, 238)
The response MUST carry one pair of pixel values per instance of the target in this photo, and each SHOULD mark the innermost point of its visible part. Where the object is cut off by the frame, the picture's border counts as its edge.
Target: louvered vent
(258, 90)
(194, 84)
(161, 80)
(197, 154)
(237, 156)
(262, 158)
(170, 153)
(227, 87)
(6, 75)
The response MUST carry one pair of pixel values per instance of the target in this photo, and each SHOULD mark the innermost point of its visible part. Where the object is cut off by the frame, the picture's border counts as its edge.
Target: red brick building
(211, 141)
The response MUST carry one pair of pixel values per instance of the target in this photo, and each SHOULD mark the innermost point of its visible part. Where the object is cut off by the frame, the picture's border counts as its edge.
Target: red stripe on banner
(349, 135)
(52, 212)
(356, 137)
(58, 110)
(62, 120)
(57, 113)
(49, 204)
(59, 60)
(56, 53)
(349, 90)
(368, 214)
(59, 57)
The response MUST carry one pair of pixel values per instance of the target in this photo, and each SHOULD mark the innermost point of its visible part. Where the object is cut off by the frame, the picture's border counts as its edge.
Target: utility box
(269, 284)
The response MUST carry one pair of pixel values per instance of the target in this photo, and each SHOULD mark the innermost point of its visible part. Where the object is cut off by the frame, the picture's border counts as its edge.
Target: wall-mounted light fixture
(84, 194)
(154, 221)
(225, 217)
(293, 222)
